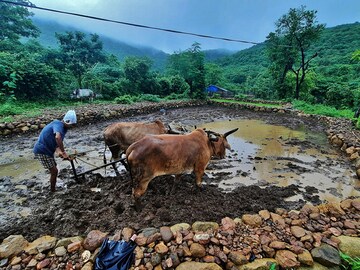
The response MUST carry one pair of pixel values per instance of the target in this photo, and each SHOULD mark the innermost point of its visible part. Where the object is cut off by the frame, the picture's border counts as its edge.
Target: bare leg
(53, 176)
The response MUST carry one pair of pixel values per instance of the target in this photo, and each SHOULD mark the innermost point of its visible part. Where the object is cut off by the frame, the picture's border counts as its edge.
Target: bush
(125, 99)
(148, 97)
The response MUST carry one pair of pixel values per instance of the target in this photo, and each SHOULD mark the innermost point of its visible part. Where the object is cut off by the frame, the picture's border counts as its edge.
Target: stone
(197, 250)
(258, 264)
(326, 255)
(41, 244)
(287, 259)
(237, 258)
(315, 266)
(94, 239)
(297, 231)
(252, 220)
(198, 266)
(306, 258)
(87, 266)
(350, 246)
(12, 245)
(166, 234)
(265, 214)
(161, 248)
(180, 227)
(66, 241)
(203, 226)
(228, 224)
(44, 263)
(277, 245)
(127, 233)
(60, 251)
(74, 247)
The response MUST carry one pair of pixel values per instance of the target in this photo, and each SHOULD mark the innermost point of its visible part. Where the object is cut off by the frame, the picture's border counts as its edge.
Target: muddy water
(270, 155)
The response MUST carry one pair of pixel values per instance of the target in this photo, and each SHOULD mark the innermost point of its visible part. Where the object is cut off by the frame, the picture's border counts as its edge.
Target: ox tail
(104, 158)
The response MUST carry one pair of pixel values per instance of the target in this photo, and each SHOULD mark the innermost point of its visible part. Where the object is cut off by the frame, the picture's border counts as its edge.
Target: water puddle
(265, 155)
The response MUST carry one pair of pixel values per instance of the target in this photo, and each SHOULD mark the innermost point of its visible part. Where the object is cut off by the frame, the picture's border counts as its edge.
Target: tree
(190, 65)
(289, 44)
(80, 54)
(15, 22)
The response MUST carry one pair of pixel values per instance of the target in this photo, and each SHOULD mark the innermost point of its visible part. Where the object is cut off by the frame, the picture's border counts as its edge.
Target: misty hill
(112, 46)
(120, 49)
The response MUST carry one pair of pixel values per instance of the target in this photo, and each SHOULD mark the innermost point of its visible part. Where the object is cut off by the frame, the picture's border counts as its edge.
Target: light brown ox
(119, 136)
(173, 154)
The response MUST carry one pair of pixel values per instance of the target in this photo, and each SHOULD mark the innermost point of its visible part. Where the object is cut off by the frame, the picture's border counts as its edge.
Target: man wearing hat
(50, 141)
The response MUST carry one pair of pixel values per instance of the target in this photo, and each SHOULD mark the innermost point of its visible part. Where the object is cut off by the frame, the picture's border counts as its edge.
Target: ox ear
(230, 132)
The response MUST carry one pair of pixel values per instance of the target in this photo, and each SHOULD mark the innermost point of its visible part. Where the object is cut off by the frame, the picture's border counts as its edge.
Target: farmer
(50, 141)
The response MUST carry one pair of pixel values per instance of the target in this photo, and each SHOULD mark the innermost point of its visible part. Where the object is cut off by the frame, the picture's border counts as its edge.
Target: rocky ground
(77, 210)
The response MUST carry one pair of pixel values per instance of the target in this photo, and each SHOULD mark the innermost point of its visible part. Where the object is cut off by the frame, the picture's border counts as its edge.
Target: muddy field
(103, 202)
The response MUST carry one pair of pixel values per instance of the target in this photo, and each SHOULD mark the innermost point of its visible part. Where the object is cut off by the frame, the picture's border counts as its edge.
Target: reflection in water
(268, 154)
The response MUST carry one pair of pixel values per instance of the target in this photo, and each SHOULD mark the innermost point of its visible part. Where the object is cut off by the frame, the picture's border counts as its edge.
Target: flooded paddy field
(277, 160)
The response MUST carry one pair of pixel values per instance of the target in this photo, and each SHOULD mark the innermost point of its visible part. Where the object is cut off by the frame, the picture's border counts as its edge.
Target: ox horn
(230, 132)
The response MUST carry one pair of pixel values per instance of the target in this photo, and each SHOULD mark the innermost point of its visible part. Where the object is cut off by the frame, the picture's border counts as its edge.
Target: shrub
(125, 99)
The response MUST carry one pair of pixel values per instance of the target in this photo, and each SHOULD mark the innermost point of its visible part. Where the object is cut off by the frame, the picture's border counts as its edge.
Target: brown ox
(173, 154)
(119, 136)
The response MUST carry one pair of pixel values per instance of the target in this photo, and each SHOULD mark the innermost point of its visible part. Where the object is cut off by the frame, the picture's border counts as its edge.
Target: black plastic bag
(115, 255)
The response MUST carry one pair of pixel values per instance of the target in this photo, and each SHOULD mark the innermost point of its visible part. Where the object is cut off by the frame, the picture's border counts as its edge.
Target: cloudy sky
(247, 20)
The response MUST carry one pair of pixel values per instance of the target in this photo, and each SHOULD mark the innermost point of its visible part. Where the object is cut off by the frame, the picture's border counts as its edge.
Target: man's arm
(60, 145)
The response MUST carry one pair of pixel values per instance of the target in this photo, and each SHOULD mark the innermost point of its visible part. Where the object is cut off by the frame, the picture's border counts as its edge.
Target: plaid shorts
(46, 161)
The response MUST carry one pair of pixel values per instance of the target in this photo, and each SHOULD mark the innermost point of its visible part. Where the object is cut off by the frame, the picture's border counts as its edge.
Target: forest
(313, 64)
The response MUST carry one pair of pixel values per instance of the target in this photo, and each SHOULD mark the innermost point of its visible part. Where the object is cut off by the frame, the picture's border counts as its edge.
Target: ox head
(219, 142)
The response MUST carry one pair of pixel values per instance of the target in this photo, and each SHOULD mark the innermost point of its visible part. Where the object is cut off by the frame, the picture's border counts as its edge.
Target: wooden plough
(72, 158)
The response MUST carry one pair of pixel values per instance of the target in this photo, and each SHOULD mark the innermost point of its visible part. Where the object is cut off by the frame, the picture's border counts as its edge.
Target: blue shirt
(46, 143)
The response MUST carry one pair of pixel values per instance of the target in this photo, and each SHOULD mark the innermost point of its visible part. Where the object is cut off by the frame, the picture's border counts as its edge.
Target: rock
(41, 244)
(265, 214)
(74, 247)
(197, 250)
(43, 264)
(350, 246)
(315, 266)
(326, 255)
(60, 251)
(161, 248)
(305, 258)
(94, 239)
(252, 220)
(12, 245)
(180, 227)
(198, 266)
(66, 241)
(127, 233)
(166, 234)
(297, 231)
(287, 259)
(155, 259)
(204, 226)
(258, 264)
(87, 266)
(85, 256)
(227, 224)
(278, 245)
(237, 258)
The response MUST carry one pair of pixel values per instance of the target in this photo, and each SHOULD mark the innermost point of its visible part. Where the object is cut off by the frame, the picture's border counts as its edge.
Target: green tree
(190, 65)
(137, 76)
(80, 54)
(288, 47)
(15, 22)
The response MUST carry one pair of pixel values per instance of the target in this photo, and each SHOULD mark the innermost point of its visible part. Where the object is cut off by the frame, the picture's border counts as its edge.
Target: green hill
(335, 46)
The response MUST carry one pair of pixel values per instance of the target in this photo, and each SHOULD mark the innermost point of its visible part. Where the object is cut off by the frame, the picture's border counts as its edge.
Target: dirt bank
(103, 203)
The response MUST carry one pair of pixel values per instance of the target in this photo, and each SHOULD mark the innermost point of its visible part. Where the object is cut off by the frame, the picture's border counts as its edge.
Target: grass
(322, 110)
(351, 263)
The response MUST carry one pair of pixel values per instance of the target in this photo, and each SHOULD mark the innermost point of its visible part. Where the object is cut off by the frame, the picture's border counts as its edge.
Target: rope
(88, 163)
